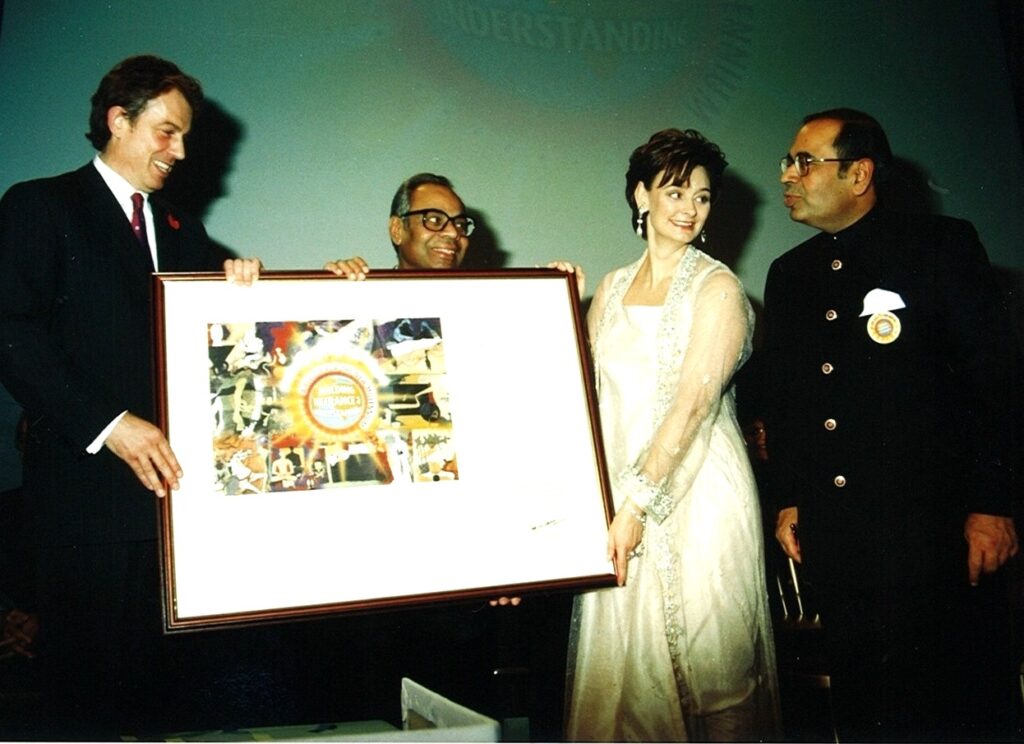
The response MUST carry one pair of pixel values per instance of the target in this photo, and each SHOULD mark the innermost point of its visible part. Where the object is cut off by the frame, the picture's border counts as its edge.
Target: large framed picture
(352, 446)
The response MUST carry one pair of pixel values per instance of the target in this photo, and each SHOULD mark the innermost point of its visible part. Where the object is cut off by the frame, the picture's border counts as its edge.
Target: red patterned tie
(139, 221)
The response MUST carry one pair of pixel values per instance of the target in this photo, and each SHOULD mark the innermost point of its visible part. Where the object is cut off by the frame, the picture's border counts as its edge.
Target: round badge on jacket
(884, 328)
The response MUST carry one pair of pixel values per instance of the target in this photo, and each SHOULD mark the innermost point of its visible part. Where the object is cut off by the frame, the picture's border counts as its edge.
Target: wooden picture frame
(350, 446)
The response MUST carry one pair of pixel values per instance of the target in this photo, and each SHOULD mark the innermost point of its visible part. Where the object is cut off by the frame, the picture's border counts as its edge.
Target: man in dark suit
(891, 394)
(430, 230)
(76, 253)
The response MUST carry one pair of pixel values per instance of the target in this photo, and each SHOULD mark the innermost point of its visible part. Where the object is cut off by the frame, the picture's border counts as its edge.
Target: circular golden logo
(339, 397)
(884, 328)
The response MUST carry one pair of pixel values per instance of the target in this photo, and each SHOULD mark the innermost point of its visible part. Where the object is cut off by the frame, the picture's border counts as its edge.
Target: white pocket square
(881, 301)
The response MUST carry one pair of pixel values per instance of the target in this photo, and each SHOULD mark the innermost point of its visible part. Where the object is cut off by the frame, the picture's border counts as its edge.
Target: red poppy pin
(173, 221)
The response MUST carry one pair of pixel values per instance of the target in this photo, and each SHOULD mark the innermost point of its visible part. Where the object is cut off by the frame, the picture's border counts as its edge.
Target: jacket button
(831, 315)
(840, 481)
(836, 265)
(826, 368)
(830, 424)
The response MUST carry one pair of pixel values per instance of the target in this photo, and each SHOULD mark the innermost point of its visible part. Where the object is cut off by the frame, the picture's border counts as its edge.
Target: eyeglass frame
(788, 161)
(465, 233)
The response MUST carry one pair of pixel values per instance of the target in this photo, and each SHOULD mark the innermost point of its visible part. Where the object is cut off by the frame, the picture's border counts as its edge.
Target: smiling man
(76, 351)
(892, 422)
(428, 226)
(429, 229)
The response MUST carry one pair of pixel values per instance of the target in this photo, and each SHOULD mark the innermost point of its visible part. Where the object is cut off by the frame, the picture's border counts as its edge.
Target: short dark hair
(674, 153)
(133, 83)
(402, 201)
(860, 136)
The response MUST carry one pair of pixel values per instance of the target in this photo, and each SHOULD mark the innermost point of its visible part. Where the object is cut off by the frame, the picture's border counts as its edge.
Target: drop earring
(703, 238)
(640, 217)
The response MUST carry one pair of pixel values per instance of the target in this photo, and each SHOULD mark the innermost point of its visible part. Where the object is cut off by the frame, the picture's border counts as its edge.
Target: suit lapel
(111, 231)
(174, 251)
(166, 235)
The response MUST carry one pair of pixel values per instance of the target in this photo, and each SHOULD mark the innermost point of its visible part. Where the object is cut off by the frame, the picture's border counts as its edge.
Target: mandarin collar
(864, 229)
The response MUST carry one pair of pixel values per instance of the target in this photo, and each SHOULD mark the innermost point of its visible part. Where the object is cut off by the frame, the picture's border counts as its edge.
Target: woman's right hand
(786, 532)
(624, 535)
(354, 268)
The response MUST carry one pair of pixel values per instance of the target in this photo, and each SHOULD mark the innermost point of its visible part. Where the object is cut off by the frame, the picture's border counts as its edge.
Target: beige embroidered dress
(689, 635)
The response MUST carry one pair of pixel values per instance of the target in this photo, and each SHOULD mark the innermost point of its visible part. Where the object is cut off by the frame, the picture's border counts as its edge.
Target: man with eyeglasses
(428, 226)
(890, 375)
(429, 229)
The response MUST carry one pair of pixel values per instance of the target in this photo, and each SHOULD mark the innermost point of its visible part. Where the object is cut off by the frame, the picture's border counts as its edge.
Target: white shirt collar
(122, 191)
(118, 185)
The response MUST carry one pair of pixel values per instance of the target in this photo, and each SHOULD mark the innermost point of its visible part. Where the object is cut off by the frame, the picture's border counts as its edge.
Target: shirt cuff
(99, 441)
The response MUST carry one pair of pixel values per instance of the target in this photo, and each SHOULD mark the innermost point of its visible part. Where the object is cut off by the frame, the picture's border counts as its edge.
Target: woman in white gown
(682, 649)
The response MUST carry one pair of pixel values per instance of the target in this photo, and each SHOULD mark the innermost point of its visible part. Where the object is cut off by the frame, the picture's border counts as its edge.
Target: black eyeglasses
(803, 162)
(436, 220)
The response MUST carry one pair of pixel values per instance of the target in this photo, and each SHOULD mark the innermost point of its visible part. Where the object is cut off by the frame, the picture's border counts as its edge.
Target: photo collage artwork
(320, 404)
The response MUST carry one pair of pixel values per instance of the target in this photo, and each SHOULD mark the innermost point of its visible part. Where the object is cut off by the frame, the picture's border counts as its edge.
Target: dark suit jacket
(76, 345)
(885, 448)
